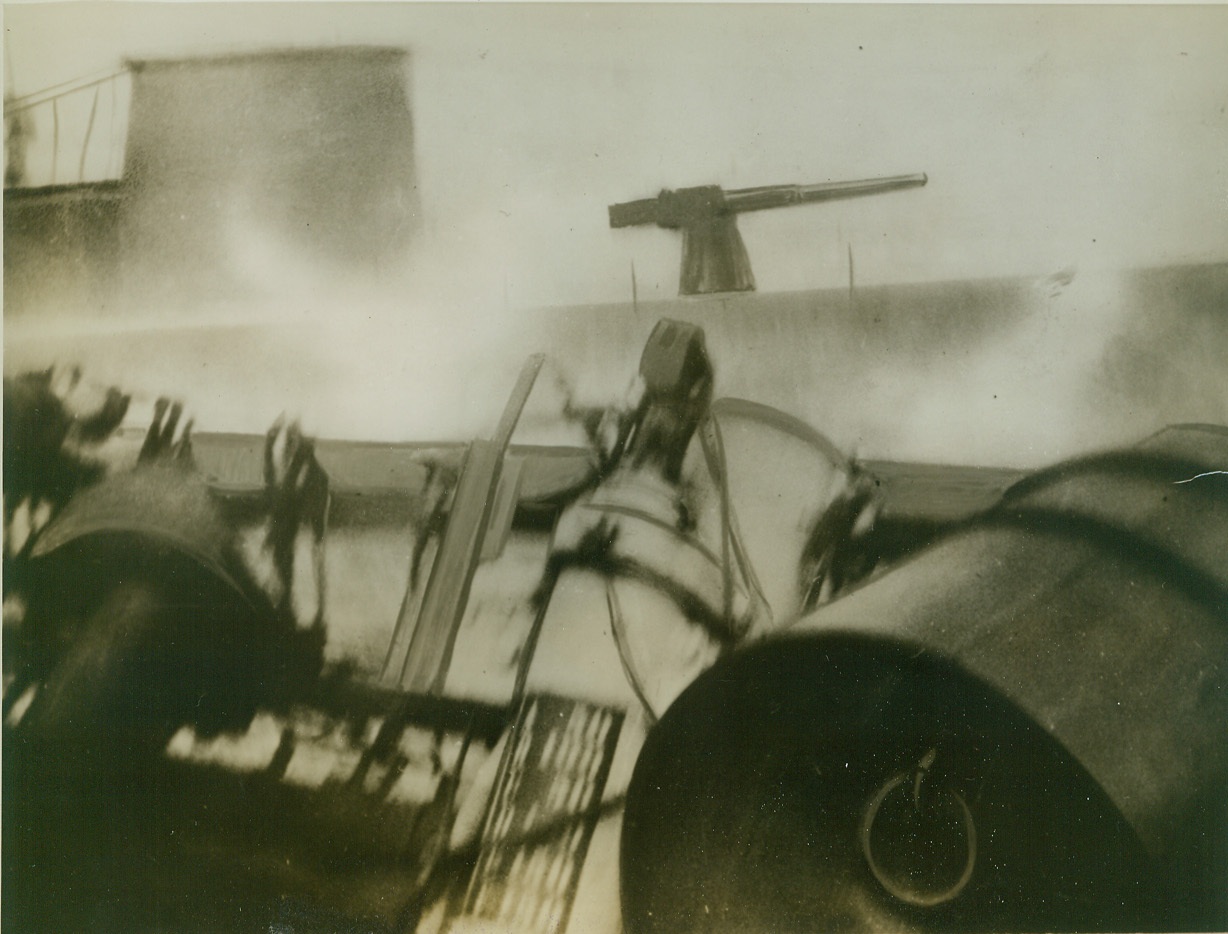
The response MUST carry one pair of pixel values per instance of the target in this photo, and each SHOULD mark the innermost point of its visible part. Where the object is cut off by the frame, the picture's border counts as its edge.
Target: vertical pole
(89, 129)
(428, 639)
(111, 129)
(852, 301)
(55, 134)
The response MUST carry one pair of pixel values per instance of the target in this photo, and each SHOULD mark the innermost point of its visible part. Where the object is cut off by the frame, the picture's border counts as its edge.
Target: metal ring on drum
(923, 851)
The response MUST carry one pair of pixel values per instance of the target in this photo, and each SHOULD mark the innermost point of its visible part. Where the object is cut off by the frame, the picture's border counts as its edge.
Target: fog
(1086, 142)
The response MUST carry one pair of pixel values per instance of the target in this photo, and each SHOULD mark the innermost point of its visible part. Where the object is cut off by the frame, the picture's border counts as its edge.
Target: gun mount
(714, 258)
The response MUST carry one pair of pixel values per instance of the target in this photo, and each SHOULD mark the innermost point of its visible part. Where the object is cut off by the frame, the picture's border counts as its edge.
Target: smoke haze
(1086, 139)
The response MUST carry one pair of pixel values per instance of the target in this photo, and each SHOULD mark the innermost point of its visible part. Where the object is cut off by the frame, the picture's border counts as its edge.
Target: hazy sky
(1053, 136)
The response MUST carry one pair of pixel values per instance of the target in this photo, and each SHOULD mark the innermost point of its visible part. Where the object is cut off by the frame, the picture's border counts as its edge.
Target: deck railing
(68, 133)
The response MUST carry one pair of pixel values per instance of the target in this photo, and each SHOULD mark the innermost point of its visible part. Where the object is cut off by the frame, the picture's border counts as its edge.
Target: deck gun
(714, 257)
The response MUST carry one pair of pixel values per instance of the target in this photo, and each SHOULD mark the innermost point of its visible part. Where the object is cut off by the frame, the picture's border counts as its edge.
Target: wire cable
(621, 642)
(713, 445)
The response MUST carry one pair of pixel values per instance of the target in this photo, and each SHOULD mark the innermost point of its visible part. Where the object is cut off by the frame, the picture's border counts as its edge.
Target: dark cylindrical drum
(143, 617)
(1023, 728)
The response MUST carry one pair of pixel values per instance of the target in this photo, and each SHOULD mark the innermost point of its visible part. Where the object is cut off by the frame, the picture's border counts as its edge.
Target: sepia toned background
(1078, 143)
(368, 215)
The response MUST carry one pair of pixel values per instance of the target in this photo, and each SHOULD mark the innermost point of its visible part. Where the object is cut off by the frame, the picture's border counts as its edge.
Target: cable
(714, 453)
(618, 628)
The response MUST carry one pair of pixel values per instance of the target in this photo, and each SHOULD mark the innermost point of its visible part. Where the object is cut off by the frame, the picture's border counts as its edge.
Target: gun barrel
(634, 213)
(776, 196)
